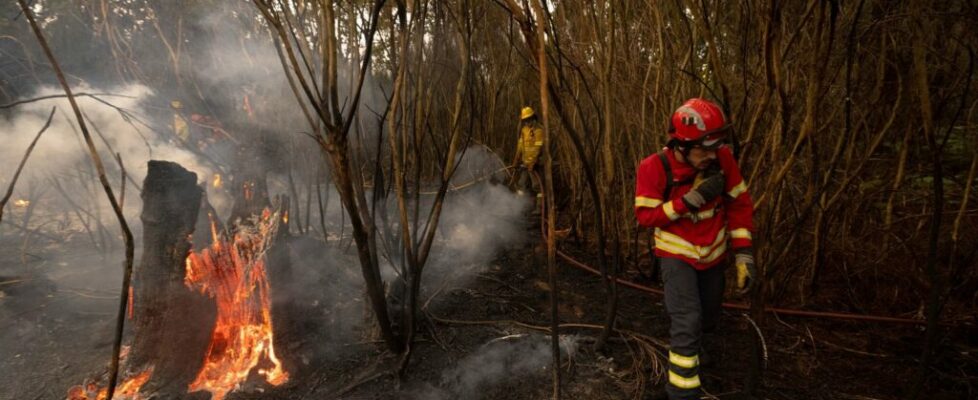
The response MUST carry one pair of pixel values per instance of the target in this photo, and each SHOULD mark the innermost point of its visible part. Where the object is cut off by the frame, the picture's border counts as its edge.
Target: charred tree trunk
(172, 324)
(286, 313)
(249, 188)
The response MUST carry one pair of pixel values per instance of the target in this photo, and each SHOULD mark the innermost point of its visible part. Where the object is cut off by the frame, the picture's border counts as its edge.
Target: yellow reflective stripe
(741, 233)
(642, 201)
(717, 252)
(675, 250)
(670, 211)
(538, 143)
(683, 361)
(684, 383)
(674, 244)
(674, 238)
(737, 190)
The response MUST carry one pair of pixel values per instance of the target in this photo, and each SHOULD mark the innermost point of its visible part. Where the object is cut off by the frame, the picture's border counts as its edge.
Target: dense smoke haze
(236, 107)
(367, 153)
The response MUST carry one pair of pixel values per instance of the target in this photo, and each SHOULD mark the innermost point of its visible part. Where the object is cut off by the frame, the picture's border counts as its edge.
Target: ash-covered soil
(478, 340)
(58, 307)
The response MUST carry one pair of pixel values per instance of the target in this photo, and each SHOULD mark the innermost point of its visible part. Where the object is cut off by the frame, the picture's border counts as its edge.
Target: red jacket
(699, 238)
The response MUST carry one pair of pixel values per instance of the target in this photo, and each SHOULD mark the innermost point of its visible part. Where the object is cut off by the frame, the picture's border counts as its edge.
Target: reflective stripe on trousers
(693, 301)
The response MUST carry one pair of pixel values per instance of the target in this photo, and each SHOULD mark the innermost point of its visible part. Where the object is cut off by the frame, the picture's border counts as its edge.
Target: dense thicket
(854, 121)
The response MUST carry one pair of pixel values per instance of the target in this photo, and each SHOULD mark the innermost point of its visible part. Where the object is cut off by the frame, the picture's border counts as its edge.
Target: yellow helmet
(527, 113)
(176, 104)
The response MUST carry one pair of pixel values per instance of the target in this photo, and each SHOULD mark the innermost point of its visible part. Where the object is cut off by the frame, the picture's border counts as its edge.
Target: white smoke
(496, 364)
(124, 127)
(61, 146)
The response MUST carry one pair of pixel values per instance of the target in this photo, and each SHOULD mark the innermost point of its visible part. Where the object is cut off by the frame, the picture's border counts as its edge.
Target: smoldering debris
(477, 224)
(496, 364)
(480, 218)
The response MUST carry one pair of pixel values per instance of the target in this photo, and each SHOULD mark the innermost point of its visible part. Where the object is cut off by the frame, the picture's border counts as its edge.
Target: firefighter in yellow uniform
(180, 128)
(528, 149)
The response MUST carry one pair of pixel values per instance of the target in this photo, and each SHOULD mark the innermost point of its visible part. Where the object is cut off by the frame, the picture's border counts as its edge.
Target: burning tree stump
(202, 300)
(171, 324)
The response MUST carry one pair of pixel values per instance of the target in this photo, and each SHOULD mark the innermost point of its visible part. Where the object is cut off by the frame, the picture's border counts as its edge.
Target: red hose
(740, 306)
(735, 306)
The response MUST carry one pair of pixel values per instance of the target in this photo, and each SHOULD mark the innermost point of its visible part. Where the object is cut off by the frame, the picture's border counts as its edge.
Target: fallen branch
(58, 96)
(27, 154)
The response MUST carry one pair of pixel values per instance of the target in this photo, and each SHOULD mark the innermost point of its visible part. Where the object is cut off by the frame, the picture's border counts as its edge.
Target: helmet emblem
(691, 117)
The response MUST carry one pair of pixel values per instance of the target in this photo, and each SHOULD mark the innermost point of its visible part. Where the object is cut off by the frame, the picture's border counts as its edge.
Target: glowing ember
(127, 390)
(233, 273)
(217, 181)
(21, 203)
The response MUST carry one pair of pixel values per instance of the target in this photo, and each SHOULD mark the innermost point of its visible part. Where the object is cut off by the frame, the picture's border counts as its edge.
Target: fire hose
(740, 306)
(737, 306)
(734, 306)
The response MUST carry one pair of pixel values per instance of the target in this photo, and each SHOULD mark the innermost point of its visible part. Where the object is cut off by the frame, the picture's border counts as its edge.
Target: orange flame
(232, 271)
(21, 203)
(217, 181)
(127, 390)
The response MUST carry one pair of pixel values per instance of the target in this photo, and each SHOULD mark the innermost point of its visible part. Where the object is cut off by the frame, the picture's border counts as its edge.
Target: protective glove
(708, 189)
(744, 261)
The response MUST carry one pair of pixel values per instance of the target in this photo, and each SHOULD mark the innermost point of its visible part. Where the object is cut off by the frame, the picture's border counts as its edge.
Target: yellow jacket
(529, 144)
(180, 127)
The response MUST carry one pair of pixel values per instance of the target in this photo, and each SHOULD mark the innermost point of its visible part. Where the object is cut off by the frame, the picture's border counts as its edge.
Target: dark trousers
(528, 184)
(693, 301)
(526, 179)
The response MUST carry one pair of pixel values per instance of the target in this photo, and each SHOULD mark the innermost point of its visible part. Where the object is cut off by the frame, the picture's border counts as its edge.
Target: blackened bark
(249, 188)
(286, 313)
(207, 219)
(171, 324)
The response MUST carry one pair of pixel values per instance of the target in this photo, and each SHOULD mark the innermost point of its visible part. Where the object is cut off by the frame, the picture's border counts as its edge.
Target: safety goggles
(712, 140)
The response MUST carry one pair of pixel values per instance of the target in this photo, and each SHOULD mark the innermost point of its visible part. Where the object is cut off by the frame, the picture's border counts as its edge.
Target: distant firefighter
(180, 128)
(528, 148)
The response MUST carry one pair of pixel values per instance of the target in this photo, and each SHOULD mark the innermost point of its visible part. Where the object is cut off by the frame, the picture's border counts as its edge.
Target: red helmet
(698, 122)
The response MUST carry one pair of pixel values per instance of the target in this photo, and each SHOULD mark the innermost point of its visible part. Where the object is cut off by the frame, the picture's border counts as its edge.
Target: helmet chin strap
(683, 148)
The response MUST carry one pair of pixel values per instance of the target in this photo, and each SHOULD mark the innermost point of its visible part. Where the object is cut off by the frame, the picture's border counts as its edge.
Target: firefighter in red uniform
(693, 195)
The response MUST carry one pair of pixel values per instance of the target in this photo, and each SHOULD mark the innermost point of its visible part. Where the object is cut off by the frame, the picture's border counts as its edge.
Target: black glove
(713, 169)
(708, 189)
